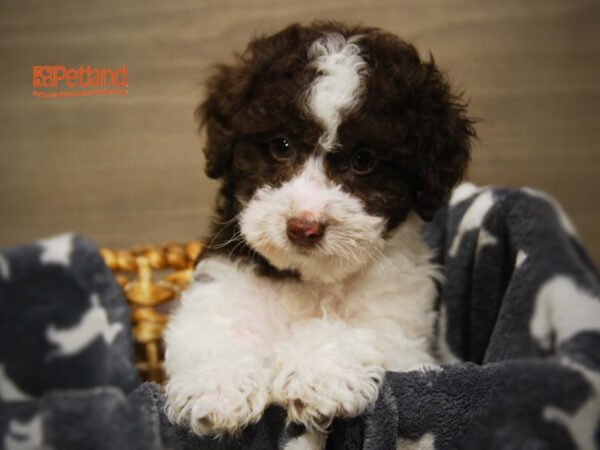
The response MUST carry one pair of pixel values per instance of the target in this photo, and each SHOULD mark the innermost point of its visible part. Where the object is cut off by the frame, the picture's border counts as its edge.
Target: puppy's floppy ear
(441, 138)
(215, 114)
(230, 89)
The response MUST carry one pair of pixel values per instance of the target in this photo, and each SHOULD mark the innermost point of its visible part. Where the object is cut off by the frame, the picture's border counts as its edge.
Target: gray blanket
(518, 335)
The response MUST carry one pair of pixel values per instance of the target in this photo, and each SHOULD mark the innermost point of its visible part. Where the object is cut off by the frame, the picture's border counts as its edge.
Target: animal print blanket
(518, 337)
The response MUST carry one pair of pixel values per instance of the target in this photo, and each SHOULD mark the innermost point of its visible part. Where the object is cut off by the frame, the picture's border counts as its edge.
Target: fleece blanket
(518, 336)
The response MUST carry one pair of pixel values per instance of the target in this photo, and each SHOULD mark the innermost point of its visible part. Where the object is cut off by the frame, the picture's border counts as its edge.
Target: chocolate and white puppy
(333, 144)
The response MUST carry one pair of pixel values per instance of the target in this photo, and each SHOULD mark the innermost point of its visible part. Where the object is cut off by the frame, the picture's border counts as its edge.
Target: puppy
(333, 144)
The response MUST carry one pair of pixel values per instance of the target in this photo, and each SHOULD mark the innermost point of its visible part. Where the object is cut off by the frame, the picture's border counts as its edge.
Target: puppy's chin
(312, 265)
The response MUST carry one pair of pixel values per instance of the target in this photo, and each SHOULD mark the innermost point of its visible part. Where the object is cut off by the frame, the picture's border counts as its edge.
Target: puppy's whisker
(227, 222)
(225, 243)
(235, 247)
(236, 232)
(235, 238)
(216, 236)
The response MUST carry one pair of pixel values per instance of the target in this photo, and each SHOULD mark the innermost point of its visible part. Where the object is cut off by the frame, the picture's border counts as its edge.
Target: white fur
(338, 85)
(352, 239)
(319, 348)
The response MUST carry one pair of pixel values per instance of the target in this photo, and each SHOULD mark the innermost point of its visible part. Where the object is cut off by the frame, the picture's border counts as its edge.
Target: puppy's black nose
(305, 231)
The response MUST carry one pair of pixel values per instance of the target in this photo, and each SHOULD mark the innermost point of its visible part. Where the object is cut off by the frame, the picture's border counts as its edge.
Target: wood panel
(128, 170)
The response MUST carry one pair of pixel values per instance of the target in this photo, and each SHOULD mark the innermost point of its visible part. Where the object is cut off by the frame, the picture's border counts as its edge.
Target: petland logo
(84, 81)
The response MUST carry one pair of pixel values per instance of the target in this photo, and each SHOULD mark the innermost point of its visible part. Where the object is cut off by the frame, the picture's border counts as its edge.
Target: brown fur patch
(410, 119)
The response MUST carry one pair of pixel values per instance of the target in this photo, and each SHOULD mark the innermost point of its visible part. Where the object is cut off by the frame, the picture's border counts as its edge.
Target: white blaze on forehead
(338, 86)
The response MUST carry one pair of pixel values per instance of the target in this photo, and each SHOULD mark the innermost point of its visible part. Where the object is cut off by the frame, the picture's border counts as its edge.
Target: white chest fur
(319, 349)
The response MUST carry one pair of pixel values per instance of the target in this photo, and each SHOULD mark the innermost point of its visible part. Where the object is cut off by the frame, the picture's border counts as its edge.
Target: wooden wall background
(129, 170)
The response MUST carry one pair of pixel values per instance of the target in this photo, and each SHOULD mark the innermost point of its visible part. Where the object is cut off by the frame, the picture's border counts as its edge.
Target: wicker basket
(151, 278)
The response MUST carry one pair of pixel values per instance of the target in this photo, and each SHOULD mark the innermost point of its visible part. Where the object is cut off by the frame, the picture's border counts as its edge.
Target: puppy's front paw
(216, 405)
(313, 396)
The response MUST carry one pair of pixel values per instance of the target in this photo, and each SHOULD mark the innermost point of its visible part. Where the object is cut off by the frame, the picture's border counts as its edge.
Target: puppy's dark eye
(280, 149)
(363, 162)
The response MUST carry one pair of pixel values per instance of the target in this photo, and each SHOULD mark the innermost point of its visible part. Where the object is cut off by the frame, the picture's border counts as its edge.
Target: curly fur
(314, 329)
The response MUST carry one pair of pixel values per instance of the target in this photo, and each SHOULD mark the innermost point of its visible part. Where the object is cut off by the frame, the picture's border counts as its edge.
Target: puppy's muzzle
(305, 231)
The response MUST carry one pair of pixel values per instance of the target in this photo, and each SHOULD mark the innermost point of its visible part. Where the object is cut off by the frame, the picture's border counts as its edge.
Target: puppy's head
(327, 137)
